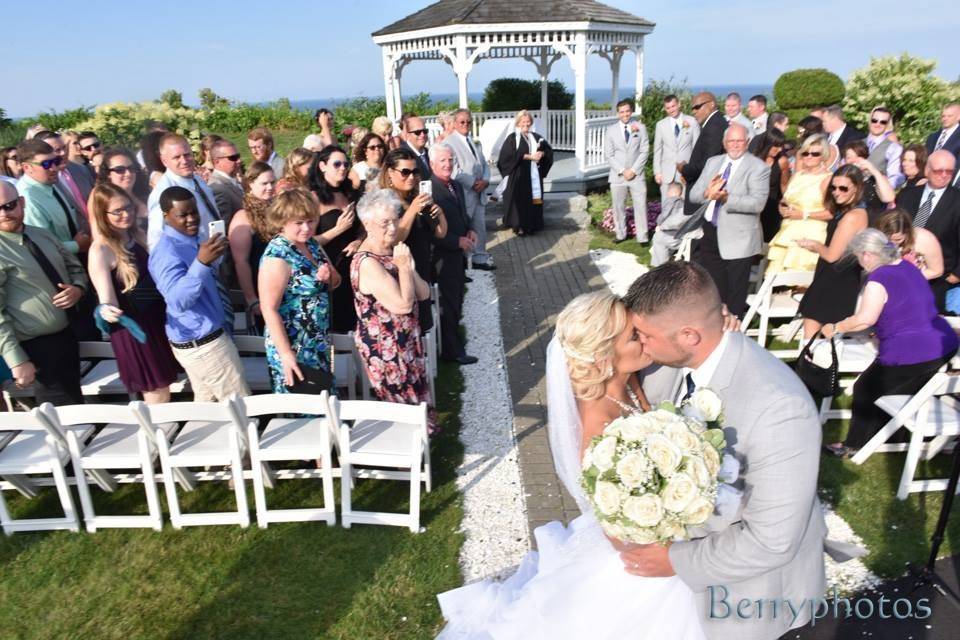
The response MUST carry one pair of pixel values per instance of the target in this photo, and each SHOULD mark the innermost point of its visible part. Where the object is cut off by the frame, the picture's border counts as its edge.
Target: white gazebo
(463, 32)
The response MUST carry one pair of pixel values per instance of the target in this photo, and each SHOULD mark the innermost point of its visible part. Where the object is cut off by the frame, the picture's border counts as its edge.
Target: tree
(798, 91)
(210, 100)
(513, 94)
(173, 98)
(907, 87)
(4, 120)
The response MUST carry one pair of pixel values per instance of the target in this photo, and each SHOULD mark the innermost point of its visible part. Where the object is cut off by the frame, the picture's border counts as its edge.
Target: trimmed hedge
(806, 88)
(513, 94)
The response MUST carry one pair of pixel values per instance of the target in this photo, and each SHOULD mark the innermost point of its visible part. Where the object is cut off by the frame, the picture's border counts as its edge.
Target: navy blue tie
(691, 386)
(626, 133)
(676, 130)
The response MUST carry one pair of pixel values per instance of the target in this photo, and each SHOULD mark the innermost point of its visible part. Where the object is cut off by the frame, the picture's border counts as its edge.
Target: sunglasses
(91, 146)
(232, 158)
(943, 172)
(877, 121)
(339, 164)
(811, 154)
(49, 164)
(419, 132)
(122, 169)
(10, 206)
(697, 106)
(842, 188)
(13, 157)
(406, 173)
(375, 147)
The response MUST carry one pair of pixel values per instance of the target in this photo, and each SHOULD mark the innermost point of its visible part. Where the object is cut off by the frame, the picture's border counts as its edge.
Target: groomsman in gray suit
(733, 112)
(673, 141)
(772, 549)
(733, 189)
(626, 149)
(474, 177)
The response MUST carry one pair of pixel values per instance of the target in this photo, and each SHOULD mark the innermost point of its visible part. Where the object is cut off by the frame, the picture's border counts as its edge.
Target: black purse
(820, 381)
(315, 381)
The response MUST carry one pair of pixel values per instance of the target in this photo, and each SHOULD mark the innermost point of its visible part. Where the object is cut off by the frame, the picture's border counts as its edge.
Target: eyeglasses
(339, 164)
(697, 106)
(811, 154)
(48, 164)
(943, 172)
(842, 188)
(232, 158)
(122, 169)
(419, 132)
(375, 147)
(406, 173)
(878, 121)
(91, 146)
(10, 206)
(122, 211)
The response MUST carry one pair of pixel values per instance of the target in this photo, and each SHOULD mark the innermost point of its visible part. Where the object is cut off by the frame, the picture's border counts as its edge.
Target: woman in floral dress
(295, 280)
(386, 290)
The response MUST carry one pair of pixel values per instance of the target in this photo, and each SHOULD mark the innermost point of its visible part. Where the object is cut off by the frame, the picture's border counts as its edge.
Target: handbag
(820, 381)
(315, 381)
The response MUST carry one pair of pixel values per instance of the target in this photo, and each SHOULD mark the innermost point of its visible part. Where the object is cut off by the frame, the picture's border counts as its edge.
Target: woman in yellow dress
(804, 216)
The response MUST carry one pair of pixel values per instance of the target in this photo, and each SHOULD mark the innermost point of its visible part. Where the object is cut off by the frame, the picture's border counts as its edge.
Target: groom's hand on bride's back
(730, 321)
(651, 560)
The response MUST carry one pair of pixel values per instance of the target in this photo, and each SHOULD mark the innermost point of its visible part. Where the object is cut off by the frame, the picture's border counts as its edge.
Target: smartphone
(426, 187)
(216, 226)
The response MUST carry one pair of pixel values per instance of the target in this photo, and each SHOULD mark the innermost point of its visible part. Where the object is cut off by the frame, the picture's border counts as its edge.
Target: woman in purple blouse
(914, 340)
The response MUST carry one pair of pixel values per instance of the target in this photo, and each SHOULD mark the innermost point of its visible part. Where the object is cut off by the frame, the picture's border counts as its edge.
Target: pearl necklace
(636, 407)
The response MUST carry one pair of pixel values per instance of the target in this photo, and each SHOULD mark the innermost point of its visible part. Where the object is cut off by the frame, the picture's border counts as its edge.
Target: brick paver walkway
(536, 277)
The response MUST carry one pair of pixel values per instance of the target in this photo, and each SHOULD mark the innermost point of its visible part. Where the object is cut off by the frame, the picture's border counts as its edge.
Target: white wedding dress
(575, 585)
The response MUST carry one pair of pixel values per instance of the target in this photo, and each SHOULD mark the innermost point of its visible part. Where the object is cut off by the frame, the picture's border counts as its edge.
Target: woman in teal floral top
(295, 281)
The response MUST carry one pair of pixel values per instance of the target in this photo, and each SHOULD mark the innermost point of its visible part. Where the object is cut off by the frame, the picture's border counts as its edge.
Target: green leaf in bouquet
(715, 438)
(666, 405)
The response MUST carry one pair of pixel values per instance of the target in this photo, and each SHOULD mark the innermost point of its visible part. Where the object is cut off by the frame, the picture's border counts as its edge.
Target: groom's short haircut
(675, 287)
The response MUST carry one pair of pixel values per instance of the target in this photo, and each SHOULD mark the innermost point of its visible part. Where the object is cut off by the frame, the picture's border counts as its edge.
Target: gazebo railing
(560, 130)
(596, 136)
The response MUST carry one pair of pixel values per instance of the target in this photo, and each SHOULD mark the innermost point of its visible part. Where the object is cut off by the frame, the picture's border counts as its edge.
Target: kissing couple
(613, 357)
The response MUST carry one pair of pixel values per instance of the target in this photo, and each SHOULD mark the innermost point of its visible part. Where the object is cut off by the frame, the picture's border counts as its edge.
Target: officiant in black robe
(522, 153)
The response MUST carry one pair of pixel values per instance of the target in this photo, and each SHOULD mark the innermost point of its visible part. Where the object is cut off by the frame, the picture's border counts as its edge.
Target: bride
(575, 586)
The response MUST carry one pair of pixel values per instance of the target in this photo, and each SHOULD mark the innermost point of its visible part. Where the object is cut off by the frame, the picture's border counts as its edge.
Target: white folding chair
(122, 444)
(391, 441)
(255, 369)
(283, 439)
(768, 303)
(855, 352)
(37, 449)
(685, 250)
(346, 365)
(213, 435)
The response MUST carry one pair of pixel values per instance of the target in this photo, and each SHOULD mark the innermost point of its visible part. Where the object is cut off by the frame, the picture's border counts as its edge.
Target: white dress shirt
(937, 193)
(836, 134)
(735, 164)
(704, 373)
(155, 215)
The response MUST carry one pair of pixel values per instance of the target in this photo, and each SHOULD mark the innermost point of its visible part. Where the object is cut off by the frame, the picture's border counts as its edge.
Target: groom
(773, 553)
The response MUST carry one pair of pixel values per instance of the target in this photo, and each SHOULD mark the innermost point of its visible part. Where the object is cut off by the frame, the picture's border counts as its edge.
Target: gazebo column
(544, 64)
(392, 68)
(579, 64)
(638, 51)
(462, 66)
(614, 57)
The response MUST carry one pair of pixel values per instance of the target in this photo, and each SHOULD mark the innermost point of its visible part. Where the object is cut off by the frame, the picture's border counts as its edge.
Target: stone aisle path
(536, 277)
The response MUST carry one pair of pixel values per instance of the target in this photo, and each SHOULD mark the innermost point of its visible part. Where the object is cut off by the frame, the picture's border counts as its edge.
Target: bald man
(709, 144)
(936, 206)
(772, 548)
(41, 283)
(948, 136)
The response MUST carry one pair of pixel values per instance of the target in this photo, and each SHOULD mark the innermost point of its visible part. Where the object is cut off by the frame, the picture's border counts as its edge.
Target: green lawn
(293, 580)
(896, 532)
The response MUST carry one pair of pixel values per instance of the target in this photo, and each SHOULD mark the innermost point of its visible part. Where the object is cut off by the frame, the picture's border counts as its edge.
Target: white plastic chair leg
(259, 494)
(66, 500)
(910, 465)
(23, 485)
(169, 483)
(346, 478)
(416, 457)
(239, 488)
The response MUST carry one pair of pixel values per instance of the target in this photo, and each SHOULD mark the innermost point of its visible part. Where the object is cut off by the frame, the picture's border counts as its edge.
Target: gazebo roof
(447, 13)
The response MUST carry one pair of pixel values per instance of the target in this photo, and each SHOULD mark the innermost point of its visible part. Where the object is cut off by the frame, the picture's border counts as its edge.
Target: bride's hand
(652, 560)
(730, 322)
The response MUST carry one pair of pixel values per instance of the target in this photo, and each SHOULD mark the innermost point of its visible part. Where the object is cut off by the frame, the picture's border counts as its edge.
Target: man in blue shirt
(185, 273)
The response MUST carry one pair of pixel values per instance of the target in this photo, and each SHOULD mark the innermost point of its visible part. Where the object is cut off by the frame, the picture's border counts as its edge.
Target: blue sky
(132, 50)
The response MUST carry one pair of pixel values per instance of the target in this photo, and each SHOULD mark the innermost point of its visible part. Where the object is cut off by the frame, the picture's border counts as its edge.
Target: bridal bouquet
(650, 476)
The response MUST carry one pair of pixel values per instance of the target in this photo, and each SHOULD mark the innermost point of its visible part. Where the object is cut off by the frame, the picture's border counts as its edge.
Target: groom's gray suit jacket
(774, 551)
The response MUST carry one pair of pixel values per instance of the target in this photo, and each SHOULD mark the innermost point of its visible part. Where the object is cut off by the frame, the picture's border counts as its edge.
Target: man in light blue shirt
(177, 157)
(184, 271)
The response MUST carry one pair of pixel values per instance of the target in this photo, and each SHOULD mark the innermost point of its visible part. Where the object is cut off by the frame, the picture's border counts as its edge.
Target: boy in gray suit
(667, 237)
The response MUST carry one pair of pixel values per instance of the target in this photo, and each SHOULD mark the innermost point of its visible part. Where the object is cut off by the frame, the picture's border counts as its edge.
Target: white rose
(636, 430)
(633, 470)
(587, 461)
(662, 417)
(666, 455)
(680, 434)
(679, 492)
(670, 530)
(645, 510)
(711, 458)
(607, 498)
(613, 529)
(614, 428)
(641, 536)
(693, 414)
(697, 426)
(698, 511)
(707, 403)
(697, 469)
(604, 451)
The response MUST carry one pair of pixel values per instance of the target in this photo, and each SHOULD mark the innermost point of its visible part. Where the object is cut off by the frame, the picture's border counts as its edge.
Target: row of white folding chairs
(376, 440)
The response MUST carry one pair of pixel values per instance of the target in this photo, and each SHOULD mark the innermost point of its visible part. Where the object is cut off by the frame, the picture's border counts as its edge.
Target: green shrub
(63, 120)
(122, 123)
(806, 88)
(905, 85)
(4, 120)
(244, 116)
(210, 100)
(513, 94)
(172, 98)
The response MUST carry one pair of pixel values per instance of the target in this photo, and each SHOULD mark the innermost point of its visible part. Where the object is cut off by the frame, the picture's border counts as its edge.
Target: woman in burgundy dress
(118, 270)
(386, 290)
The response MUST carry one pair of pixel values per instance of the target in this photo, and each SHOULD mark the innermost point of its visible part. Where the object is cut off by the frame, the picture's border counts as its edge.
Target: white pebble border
(494, 509)
(619, 269)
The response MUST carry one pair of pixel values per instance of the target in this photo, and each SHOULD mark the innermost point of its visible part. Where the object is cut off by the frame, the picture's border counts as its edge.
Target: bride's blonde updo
(587, 328)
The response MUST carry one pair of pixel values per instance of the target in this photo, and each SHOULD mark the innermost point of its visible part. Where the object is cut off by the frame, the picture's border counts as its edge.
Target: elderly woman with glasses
(367, 160)
(386, 288)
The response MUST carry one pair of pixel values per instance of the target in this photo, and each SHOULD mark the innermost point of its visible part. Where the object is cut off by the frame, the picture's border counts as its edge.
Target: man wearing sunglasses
(45, 204)
(709, 144)
(74, 179)
(415, 138)
(40, 284)
(91, 150)
(884, 151)
(225, 179)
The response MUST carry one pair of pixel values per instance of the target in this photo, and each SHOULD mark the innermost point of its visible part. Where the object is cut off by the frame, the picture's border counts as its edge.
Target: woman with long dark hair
(367, 160)
(770, 149)
(120, 168)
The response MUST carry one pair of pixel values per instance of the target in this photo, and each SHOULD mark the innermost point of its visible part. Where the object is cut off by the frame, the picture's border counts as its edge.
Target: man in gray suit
(733, 112)
(626, 149)
(773, 551)
(733, 189)
(673, 141)
(474, 177)
(225, 179)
